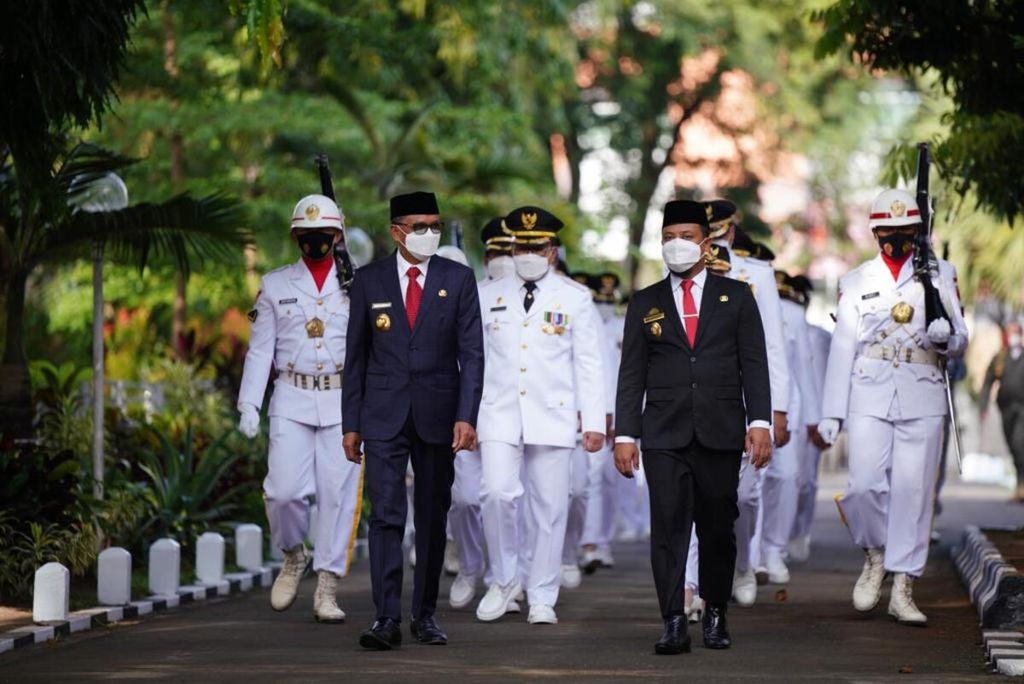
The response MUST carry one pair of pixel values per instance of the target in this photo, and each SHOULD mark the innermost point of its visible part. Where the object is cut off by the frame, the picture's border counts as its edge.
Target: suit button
(522, 370)
(320, 366)
(692, 359)
(319, 302)
(524, 346)
(526, 324)
(694, 385)
(522, 393)
(318, 345)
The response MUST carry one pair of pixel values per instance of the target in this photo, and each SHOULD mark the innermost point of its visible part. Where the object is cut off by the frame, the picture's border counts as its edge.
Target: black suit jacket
(693, 392)
(435, 371)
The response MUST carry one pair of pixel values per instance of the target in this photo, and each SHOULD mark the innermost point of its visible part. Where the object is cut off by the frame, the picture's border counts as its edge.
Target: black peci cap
(685, 211)
(414, 203)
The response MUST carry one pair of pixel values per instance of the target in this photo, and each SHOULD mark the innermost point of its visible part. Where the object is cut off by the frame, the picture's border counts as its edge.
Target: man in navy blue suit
(414, 370)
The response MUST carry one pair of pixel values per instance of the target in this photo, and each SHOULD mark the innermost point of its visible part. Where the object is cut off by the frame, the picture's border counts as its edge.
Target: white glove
(939, 332)
(828, 428)
(249, 424)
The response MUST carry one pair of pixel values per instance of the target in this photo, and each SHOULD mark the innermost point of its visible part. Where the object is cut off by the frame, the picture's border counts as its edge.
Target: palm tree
(41, 228)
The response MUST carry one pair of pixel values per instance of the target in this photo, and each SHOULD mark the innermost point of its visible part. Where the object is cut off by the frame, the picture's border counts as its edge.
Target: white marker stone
(50, 594)
(249, 547)
(114, 577)
(210, 558)
(164, 567)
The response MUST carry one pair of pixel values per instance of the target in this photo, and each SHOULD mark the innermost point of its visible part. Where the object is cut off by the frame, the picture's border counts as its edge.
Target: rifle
(926, 267)
(342, 261)
(457, 234)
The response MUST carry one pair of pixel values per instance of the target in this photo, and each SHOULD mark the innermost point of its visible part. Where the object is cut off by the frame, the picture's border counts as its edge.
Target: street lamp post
(107, 193)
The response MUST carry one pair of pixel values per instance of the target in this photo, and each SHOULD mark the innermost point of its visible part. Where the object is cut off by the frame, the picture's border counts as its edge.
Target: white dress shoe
(605, 556)
(496, 602)
(901, 602)
(590, 561)
(695, 613)
(571, 576)
(800, 548)
(286, 586)
(868, 589)
(451, 559)
(463, 590)
(744, 587)
(325, 600)
(778, 573)
(541, 614)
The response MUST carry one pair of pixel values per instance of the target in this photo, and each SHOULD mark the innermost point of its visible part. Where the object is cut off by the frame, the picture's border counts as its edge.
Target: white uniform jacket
(541, 367)
(857, 381)
(288, 301)
(761, 278)
(821, 340)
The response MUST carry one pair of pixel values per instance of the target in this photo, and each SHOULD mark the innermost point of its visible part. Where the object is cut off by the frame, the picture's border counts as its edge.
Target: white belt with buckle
(900, 355)
(313, 382)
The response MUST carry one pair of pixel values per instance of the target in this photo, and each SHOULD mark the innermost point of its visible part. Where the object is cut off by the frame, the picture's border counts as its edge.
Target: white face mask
(531, 267)
(499, 267)
(680, 255)
(1014, 340)
(423, 246)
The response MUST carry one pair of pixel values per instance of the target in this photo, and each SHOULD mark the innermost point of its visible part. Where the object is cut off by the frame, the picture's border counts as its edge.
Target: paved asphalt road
(607, 630)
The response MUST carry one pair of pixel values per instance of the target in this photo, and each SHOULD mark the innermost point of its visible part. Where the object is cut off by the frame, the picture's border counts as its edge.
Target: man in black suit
(694, 347)
(414, 371)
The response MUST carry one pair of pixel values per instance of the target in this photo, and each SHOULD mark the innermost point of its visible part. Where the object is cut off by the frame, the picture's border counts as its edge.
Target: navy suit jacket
(434, 371)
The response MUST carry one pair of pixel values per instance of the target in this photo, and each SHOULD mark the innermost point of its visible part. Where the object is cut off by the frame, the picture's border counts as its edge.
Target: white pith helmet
(892, 209)
(317, 211)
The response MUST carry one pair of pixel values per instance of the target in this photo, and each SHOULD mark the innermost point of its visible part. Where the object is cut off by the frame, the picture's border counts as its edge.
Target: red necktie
(689, 312)
(413, 295)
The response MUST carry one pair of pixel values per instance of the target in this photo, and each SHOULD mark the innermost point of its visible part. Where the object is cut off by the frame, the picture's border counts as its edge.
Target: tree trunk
(15, 387)
(179, 320)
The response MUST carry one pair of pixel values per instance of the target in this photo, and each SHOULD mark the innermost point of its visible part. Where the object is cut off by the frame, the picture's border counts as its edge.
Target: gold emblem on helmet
(709, 211)
(529, 220)
(897, 209)
(902, 313)
(312, 212)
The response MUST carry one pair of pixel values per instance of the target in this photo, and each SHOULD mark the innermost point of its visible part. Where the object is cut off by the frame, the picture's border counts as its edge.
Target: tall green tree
(975, 52)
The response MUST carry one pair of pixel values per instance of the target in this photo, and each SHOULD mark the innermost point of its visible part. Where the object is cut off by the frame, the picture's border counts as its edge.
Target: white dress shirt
(403, 269)
(677, 296)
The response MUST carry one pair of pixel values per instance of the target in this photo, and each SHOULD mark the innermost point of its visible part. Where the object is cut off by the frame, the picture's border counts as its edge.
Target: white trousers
(579, 503)
(464, 520)
(633, 505)
(807, 490)
(692, 566)
(748, 501)
(780, 492)
(305, 461)
(542, 474)
(602, 502)
(893, 466)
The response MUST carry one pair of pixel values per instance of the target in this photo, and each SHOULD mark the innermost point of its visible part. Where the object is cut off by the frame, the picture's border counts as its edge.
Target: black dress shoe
(427, 632)
(383, 636)
(674, 640)
(715, 633)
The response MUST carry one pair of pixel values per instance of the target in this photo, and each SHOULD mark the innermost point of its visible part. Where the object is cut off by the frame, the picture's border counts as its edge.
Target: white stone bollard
(210, 558)
(50, 594)
(164, 567)
(114, 577)
(249, 547)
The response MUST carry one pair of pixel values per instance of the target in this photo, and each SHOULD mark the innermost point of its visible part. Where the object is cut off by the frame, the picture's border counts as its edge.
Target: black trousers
(1013, 430)
(692, 485)
(434, 468)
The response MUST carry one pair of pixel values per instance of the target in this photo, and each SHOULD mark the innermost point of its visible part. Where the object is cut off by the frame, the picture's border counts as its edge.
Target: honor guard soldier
(543, 374)
(298, 327)
(761, 278)
(885, 383)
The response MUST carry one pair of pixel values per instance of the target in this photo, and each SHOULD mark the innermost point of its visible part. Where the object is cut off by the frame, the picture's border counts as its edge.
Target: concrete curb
(996, 588)
(1004, 650)
(90, 618)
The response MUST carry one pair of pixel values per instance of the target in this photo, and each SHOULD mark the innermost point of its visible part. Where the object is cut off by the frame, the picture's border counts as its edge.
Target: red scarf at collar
(319, 269)
(895, 265)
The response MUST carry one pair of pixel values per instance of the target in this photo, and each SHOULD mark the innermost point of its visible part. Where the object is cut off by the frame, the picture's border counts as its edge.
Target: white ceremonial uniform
(781, 478)
(542, 367)
(761, 277)
(300, 330)
(820, 340)
(883, 379)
